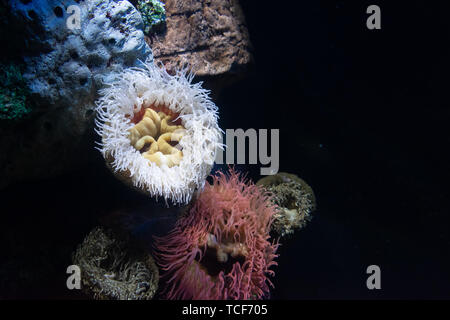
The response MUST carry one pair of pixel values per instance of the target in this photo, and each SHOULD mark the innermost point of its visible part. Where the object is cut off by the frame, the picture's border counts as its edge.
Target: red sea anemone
(220, 249)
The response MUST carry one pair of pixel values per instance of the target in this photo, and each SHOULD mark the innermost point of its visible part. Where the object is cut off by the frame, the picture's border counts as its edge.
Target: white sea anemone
(159, 131)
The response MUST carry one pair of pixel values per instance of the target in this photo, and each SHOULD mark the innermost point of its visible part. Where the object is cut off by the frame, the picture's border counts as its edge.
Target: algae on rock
(13, 93)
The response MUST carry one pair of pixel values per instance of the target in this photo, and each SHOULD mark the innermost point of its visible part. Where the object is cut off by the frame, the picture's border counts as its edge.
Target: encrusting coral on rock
(159, 131)
(295, 200)
(153, 14)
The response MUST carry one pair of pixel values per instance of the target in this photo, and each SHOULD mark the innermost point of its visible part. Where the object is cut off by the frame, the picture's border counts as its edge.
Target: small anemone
(295, 201)
(111, 270)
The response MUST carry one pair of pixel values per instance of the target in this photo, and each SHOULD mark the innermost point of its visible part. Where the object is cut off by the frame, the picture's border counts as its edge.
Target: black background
(363, 118)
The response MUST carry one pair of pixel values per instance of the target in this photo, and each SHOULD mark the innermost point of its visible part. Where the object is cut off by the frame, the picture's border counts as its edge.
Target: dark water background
(363, 118)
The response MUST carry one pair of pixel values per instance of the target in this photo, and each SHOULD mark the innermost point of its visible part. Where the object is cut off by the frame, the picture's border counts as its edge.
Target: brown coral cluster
(156, 136)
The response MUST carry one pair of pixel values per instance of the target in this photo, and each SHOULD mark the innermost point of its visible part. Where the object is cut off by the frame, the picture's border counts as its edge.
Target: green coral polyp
(153, 13)
(13, 93)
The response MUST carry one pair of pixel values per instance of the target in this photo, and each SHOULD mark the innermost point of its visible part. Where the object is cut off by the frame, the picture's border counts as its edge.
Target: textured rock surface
(208, 35)
(65, 68)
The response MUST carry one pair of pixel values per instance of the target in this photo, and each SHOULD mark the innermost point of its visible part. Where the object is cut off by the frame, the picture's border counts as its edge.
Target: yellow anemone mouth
(156, 135)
